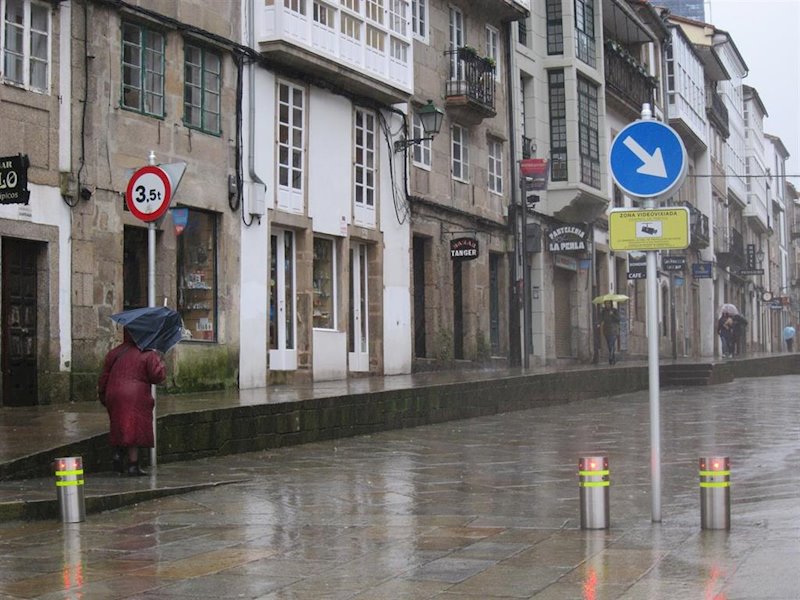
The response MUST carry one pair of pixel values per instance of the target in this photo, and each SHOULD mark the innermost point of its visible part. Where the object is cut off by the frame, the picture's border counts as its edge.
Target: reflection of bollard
(715, 492)
(594, 481)
(69, 486)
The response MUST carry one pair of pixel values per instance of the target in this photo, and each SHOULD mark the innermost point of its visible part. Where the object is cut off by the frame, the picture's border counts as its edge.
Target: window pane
(39, 46)
(38, 75)
(197, 275)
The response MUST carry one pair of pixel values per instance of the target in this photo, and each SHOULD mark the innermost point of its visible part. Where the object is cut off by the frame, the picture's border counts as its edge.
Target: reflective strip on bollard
(69, 474)
(712, 484)
(603, 483)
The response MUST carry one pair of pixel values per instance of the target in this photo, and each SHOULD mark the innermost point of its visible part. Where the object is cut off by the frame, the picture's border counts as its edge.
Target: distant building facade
(692, 9)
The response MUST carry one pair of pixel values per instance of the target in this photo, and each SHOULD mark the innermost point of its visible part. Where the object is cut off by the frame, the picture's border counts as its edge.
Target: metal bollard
(593, 479)
(715, 492)
(69, 487)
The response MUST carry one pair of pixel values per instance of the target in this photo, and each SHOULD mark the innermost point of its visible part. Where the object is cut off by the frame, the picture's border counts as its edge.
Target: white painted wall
(254, 305)
(397, 334)
(330, 161)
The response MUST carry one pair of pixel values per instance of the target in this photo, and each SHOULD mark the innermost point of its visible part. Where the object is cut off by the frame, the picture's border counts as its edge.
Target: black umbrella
(153, 327)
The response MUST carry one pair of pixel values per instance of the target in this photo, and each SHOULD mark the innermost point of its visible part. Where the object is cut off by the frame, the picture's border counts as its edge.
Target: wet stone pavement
(475, 510)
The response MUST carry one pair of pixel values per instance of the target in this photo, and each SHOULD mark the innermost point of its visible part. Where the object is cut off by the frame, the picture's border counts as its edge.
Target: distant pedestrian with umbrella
(129, 371)
(609, 328)
(788, 337)
(725, 330)
(609, 322)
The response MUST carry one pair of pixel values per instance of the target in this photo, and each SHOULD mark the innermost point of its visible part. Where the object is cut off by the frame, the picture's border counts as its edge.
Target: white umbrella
(730, 309)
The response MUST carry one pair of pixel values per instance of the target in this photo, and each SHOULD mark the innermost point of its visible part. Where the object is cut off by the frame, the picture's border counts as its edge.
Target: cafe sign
(568, 238)
(14, 179)
(464, 248)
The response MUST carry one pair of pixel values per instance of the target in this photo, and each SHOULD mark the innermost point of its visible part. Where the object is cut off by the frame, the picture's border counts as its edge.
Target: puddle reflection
(72, 570)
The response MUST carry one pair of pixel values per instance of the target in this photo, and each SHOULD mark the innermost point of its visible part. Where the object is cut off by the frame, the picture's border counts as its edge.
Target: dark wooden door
(419, 298)
(458, 312)
(19, 322)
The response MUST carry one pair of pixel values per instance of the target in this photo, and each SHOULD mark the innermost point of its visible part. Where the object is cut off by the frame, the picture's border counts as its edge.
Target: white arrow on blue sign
(648, 159)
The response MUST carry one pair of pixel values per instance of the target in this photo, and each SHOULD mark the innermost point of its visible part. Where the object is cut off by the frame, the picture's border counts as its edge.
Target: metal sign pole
(652, 367)
(151, 301)
(653, 377)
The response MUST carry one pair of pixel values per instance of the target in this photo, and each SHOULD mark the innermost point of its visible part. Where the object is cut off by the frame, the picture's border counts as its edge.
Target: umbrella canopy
(153, 327)
(730, 309)
(610, 298)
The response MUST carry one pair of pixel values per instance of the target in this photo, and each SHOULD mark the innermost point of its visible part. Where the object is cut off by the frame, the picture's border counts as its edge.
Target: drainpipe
(520, 251)
(258, 183)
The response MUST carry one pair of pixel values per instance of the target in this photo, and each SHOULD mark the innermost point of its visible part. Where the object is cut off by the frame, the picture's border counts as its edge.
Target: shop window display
(324, 284)
(197, 275)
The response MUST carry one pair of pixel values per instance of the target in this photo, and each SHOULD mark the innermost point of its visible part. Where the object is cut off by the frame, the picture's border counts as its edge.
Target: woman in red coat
(124, 389)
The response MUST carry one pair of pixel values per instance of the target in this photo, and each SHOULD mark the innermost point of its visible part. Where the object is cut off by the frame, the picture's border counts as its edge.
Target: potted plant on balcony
(467, 53)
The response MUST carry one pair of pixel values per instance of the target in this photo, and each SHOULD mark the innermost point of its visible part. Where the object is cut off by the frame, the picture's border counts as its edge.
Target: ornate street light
(431, 117)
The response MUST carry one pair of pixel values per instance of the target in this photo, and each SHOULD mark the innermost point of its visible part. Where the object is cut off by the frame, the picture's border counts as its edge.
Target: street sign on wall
(648, 159)
(14, 179)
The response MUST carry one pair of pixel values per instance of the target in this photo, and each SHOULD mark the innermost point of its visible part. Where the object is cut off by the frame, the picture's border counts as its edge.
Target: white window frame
(291, 193)
(296, 6)
(493, 49)
(457, 36)
(421, 153)
(323, 15)
(375, 11)
(27, 59)
(365, 167)
(459, 153)
(419, 19)
(495, 167)
(398, 17)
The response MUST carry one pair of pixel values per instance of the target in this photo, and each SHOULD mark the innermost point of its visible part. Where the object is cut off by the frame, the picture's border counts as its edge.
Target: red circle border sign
(159, 212)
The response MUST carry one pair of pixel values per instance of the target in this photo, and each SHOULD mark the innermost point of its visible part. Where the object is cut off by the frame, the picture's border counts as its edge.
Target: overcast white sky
(767, 33)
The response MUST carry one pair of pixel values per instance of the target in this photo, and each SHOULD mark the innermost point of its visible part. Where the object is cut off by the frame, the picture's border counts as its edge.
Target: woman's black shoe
(135, 471)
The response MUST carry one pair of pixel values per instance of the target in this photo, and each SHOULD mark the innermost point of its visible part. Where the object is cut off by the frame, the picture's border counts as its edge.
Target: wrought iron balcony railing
(718, 114)
(698, 226)
(626, 77)
(472, 81)
(732, 252)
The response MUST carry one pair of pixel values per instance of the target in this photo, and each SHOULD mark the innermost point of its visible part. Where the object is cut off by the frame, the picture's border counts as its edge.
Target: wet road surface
(479, 509)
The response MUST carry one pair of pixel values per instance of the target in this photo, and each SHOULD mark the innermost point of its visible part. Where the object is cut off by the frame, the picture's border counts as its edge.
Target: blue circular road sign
(648, 159)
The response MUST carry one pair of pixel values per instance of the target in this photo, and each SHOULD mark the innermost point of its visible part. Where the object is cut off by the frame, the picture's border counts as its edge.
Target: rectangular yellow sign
(649, 229)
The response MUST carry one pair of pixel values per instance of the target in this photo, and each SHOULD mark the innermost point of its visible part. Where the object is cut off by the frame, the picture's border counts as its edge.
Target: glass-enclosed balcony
(366, 43)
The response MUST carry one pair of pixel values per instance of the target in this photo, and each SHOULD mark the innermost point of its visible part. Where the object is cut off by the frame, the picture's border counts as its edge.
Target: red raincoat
(124, 389)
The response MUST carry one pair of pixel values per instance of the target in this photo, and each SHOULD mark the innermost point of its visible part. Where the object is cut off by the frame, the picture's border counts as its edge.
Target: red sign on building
(533, 172)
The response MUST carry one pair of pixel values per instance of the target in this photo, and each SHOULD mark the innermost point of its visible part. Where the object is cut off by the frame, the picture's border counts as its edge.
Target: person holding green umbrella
(609, 327)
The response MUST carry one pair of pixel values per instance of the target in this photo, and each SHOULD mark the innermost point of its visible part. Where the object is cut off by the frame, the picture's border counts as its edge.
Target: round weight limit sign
(148, 194)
